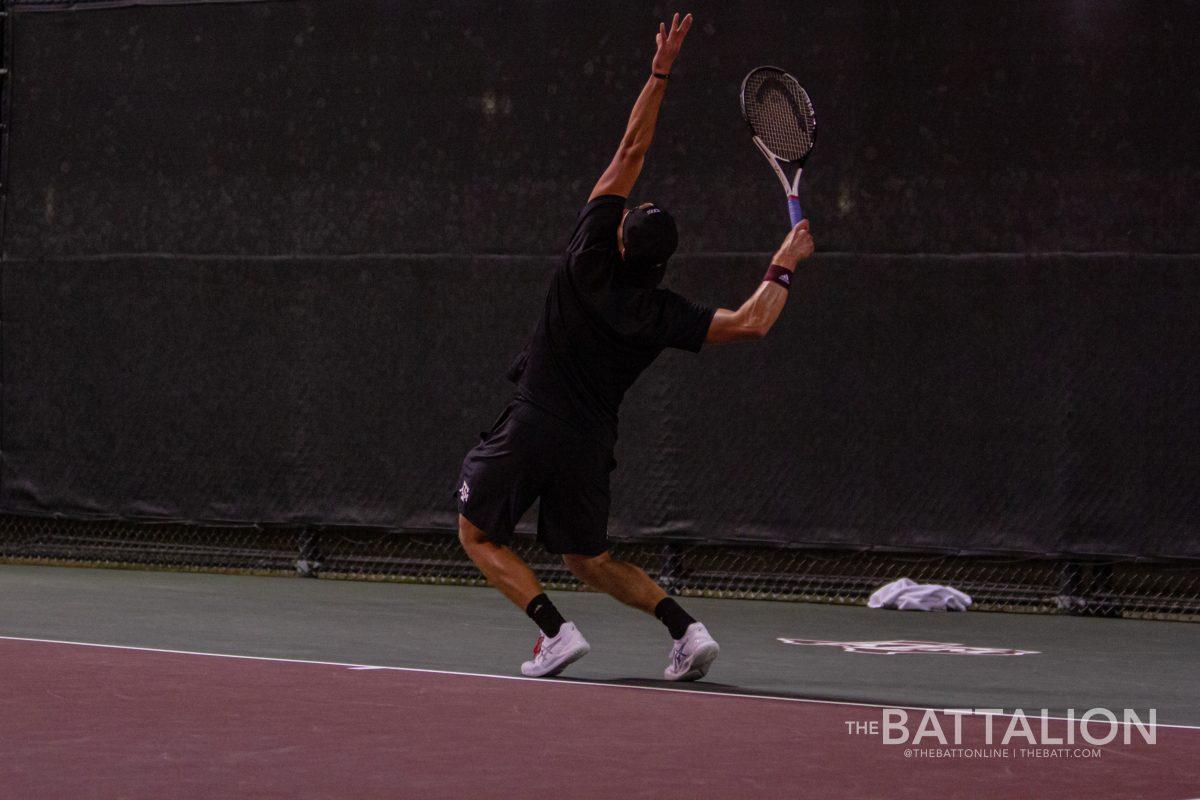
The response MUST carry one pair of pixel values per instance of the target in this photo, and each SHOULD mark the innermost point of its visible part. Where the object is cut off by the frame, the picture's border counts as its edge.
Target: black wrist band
(666, 76)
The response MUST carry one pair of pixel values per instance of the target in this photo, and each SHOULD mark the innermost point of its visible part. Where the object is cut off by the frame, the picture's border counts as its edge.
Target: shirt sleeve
(597, 224)
(680, 323)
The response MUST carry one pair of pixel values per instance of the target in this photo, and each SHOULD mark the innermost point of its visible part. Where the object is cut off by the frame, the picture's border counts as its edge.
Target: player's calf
(620, 579)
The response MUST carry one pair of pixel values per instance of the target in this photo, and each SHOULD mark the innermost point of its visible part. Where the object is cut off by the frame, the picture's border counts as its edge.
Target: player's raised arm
(756, 316)
(626, 165)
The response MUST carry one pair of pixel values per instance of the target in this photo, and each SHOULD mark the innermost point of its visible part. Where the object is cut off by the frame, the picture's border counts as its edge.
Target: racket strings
(781, 114)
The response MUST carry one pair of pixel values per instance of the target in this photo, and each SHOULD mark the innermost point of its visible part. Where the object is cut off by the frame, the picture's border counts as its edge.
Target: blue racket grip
(794, 210)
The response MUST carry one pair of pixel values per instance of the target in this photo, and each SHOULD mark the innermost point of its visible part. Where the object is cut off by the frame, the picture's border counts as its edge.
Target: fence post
(670, 570)
(308, 546)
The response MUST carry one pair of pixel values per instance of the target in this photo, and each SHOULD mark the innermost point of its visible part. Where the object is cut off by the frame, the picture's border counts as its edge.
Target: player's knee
(584, 566)
(468, 535)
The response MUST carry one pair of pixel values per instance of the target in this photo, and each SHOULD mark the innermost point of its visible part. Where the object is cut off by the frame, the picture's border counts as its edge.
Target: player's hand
(796, 247)
(669, 42)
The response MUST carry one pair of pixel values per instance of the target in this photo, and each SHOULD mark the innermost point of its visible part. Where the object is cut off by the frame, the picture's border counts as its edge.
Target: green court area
(1075, 663)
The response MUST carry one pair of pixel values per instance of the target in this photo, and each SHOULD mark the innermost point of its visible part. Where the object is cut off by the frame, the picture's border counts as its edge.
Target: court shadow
(710, 687)
(699, 687)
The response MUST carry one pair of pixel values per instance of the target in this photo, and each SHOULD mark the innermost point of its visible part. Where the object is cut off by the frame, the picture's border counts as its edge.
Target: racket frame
(790, 188)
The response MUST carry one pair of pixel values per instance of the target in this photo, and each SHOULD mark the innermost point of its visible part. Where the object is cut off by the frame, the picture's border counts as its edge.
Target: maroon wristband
(780, 275)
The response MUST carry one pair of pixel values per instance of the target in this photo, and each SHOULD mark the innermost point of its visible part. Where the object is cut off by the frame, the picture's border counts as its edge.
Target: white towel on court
(908, 595)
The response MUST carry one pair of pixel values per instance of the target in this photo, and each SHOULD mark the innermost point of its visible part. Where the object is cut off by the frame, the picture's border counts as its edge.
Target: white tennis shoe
(552, 655)
(692, 655)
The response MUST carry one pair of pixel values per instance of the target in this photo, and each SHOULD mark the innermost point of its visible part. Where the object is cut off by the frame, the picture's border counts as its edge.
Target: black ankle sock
(672, 615)
(543, 612)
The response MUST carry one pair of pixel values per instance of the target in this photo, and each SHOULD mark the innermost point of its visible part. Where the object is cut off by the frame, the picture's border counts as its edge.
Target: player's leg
(502, 567)
(500, 479)
(560, 643)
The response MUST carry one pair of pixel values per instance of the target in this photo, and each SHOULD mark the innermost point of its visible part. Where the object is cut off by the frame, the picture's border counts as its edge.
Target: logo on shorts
(898, 646)
(464, 492)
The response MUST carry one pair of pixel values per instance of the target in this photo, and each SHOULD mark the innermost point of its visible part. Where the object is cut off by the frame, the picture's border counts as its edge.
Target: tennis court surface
(154, 684)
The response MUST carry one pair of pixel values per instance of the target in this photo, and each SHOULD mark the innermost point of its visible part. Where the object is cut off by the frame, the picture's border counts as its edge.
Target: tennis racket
(783, 124)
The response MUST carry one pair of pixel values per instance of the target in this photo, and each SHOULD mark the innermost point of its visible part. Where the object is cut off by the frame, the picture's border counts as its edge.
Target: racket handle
(794, 210)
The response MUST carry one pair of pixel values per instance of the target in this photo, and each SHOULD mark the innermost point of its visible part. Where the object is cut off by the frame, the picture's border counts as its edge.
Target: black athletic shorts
(529, 454)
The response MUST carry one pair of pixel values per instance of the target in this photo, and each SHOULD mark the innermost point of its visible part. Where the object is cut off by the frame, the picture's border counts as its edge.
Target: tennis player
(605, 321)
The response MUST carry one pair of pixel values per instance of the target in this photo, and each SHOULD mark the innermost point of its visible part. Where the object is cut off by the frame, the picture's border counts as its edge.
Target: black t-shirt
(600, 329)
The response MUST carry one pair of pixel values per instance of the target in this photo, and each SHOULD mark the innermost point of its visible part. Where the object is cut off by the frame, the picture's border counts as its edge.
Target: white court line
(558, 682)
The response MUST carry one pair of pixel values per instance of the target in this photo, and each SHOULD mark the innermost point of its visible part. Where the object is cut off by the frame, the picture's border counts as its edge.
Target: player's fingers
(675, 22)
(686, 25)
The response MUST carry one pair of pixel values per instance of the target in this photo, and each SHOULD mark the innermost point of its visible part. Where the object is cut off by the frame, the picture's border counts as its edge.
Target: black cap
(650, 236)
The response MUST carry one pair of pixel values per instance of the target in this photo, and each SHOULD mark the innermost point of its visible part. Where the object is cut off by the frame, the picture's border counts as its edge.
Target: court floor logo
(891, 647)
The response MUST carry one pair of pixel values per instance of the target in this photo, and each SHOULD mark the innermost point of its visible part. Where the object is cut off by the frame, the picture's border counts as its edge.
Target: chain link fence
(1135, 588)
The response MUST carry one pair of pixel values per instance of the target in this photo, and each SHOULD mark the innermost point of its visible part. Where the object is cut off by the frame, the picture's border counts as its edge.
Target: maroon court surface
(99, 722)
